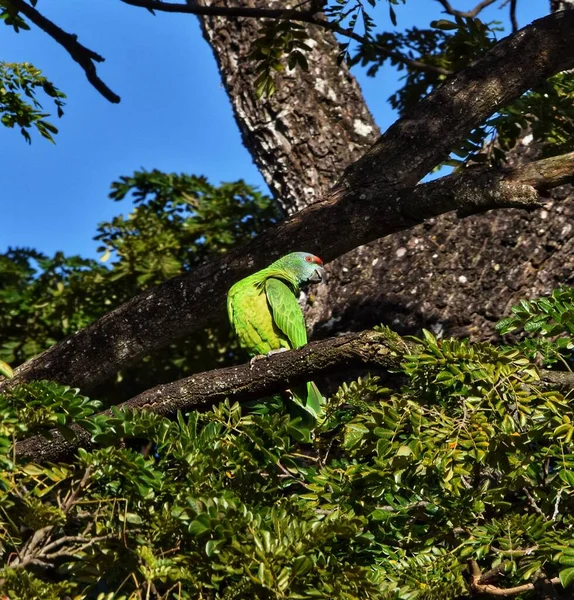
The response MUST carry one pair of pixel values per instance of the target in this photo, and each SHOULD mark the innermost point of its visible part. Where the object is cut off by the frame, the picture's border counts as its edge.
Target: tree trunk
(314, 125)
(452, 276)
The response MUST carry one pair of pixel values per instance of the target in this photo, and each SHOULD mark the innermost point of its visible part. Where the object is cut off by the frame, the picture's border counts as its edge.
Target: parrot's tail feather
(309, 398)
(314, 399)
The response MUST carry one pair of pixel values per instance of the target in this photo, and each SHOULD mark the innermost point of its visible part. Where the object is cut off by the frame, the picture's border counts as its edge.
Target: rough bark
(556, 5)
(315, 124)
(372, 200)
(455, 277)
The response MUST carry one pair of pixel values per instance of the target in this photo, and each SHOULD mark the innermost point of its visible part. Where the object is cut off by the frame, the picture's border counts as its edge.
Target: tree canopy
(140, 459)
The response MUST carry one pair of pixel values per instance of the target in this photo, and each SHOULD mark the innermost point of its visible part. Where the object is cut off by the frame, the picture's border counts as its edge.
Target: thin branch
(533, 503)
(516, 552)
(478, 587)
(73, 496)
(225, 11)
(556, 511)
(469, 14)
(513, 18)
(402, 58)
(304, 16)
(82, 55)
(36, 550)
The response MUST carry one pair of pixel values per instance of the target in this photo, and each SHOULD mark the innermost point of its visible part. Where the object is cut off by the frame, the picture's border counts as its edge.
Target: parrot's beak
(318, 275)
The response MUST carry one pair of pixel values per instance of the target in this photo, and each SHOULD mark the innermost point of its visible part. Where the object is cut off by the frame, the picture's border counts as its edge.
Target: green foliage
(470, 460)
(284, 43)
(11, 18)
(179, 222)
(280, 43)
(446, 45)
(549, 324)
(547, 111)
(19, 105)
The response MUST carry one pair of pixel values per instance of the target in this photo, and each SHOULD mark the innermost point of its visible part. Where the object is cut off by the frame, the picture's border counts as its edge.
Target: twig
(415, 64)
(513, 18)
(532, 503)
(45, 559)
(556, 505)
(515, 552)
(479, 587)
(470, 14)
(305, 16)
(69, 502)
(31, 552)
(82, 55)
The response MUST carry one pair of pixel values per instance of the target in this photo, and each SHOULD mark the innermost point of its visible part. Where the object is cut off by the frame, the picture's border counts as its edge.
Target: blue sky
(174, 116)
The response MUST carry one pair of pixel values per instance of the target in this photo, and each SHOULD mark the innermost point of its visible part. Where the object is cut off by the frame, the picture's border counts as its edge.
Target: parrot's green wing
(286, 311)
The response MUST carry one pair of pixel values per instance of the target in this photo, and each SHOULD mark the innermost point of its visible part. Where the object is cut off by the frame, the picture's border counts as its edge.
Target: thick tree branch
(241, 383)
(82, 55)
(383, 350)
(372, 200)
(561, 380)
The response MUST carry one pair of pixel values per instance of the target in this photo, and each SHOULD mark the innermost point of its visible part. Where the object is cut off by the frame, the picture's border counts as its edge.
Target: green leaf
(566, 577)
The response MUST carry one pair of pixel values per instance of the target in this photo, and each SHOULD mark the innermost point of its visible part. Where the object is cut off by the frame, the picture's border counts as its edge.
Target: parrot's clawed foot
(277, 351)
(255, 359)
(269, 354)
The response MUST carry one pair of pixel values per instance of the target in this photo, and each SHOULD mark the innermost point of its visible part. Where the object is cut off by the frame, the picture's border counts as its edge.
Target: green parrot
(264, 313)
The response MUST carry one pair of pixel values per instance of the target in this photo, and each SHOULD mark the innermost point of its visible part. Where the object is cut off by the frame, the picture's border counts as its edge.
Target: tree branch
(561, 380)
(469, 14)
(376, 196)
(82, 55)
(402, 58)
(239, 384)
(384, 350)
(305, 16)
(291, 14)
(478, 587)
(513, 18)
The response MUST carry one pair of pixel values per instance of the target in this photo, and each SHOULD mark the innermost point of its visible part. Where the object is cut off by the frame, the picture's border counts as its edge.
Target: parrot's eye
(308, 259)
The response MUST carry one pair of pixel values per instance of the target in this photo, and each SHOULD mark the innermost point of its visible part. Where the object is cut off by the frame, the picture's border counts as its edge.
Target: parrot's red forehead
(314, 259)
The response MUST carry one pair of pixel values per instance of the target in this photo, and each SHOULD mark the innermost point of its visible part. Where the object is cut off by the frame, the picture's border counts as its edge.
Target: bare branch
(225, 11)
(513, 18)
(82, 55)
(479, 587)
(376, 196)
(470, 14)
(73, 496)
(533, 503)
(305, 16)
